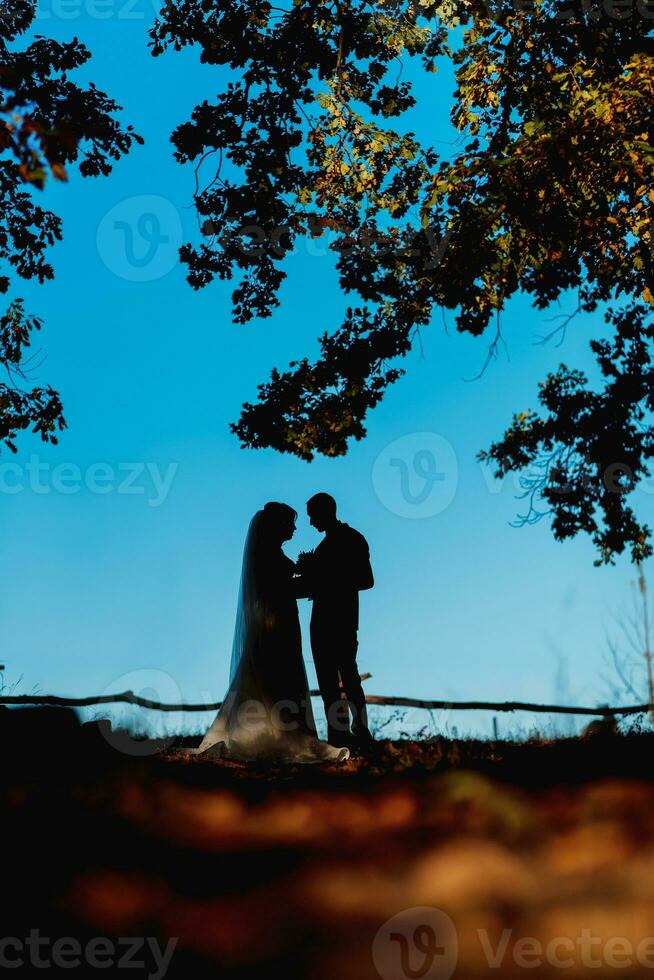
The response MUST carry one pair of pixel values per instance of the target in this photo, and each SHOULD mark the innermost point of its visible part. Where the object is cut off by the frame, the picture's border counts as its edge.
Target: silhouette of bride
(267, 711)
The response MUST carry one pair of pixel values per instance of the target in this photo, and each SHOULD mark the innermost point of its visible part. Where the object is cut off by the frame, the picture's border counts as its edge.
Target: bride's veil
(250, 621)
(248, 611)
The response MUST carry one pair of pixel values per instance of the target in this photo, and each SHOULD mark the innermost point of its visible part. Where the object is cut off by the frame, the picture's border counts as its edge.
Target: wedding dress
(267, 710)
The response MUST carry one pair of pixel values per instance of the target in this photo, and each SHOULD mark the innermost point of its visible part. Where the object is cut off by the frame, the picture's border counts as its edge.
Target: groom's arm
(364, 576)
(367, 577)
(303, 580)
(302, 587)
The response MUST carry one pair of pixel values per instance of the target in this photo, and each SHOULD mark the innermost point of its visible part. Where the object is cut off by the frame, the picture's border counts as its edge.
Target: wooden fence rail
(128, 697)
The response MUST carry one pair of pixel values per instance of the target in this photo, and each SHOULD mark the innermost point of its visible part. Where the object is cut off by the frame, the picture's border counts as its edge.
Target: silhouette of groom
(332, 576)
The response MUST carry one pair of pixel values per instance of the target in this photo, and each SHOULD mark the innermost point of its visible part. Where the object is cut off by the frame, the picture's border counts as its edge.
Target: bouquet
(304, 562)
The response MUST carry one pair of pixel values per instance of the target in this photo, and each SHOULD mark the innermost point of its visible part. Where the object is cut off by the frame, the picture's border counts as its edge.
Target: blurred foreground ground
(491, 859)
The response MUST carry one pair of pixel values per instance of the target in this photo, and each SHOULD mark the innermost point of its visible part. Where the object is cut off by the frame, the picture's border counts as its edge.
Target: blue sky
(100, 586)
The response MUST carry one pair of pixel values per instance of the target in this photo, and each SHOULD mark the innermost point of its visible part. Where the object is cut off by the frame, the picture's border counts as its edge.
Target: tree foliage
(549, 191)
(47, 124)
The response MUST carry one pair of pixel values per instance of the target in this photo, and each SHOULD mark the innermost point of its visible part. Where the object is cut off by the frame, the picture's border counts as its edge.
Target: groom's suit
(340, 569)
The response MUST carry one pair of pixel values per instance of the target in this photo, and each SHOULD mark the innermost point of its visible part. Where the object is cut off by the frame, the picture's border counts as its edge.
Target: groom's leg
(352, 683)
(325, 660)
